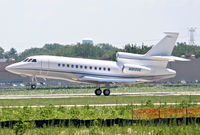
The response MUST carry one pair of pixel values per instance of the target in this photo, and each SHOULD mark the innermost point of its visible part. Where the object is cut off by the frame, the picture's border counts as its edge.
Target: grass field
(100, 100)
(91, 113)
(114, 130)
(88, 113)
(51, 112)
(82, 113)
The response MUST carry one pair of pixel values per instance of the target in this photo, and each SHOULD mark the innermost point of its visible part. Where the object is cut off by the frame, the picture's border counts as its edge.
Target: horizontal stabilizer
(168, 58)
(123, 55)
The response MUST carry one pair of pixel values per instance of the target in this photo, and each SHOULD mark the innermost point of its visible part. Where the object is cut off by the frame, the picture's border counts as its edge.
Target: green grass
(114, 130)
(99, 100)
(51, 112)
(82, 113)
(88, 113)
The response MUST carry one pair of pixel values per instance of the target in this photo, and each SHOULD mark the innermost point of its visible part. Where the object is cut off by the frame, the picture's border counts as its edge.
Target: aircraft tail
(158, 56)
(165, 46)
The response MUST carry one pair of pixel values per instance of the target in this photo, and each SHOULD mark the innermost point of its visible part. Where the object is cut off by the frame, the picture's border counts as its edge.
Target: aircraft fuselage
(67, 68)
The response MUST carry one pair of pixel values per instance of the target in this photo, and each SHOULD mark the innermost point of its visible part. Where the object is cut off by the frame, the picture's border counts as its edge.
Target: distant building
(186, 71)
(87, 41)
(190, 56)
(3, 60)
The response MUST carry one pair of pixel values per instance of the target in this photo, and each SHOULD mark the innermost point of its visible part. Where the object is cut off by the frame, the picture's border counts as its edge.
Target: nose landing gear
(33, 86)
(34, 83)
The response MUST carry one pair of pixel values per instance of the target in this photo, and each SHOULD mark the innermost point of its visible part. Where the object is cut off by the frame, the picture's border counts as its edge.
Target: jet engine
(135, 69)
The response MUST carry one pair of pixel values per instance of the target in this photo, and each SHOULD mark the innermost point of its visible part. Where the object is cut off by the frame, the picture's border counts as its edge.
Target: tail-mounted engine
(135, 69)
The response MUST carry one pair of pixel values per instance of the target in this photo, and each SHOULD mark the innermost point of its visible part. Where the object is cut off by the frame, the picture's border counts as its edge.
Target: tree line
(99, 51)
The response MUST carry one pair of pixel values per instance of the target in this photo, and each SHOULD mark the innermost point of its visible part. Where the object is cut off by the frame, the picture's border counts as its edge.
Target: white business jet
(128, 67)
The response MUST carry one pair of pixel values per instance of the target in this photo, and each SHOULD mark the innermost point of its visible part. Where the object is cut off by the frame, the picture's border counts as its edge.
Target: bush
(21, 127)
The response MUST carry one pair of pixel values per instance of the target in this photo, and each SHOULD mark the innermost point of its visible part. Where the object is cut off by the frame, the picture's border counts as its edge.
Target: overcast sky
(32, 23)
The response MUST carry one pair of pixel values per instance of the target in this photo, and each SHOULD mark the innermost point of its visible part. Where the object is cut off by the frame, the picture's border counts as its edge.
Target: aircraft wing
(110, 80)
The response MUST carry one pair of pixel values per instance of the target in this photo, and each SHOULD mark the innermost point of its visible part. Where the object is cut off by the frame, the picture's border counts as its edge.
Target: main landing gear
(106, 92)
(98, 92)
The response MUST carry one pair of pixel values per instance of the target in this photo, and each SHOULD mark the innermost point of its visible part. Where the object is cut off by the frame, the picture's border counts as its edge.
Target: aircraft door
(44, 67)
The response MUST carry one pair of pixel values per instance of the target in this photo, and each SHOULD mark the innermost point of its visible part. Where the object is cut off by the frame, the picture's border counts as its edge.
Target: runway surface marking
(93, 95)
(96, 105)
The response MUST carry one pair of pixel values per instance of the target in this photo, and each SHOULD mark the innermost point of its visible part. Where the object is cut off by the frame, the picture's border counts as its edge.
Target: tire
(98, 92)
(33, 86)
(106, 92)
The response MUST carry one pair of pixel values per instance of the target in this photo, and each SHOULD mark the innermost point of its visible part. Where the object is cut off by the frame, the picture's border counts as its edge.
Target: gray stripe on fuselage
(91, 74)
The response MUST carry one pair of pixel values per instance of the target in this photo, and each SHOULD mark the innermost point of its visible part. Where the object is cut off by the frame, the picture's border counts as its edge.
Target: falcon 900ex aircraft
(128, 67)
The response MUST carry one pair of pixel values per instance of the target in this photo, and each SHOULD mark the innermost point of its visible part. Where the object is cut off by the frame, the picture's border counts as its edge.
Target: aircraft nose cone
(16, 68)
(8, 68)
(11, 68)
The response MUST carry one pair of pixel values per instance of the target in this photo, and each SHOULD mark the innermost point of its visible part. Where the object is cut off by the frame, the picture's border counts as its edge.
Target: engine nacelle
(124, 55)
(136, 69)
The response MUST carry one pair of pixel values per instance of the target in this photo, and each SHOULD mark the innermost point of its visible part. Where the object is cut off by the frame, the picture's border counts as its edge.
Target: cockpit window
(29, 60)
(34, 60)
(25, 60)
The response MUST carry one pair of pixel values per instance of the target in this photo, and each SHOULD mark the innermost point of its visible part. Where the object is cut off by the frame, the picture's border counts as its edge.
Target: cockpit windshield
(34, 60)
(29, 60)
(25, 60)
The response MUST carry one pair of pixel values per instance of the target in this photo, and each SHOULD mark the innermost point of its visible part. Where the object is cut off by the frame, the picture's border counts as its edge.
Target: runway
(93, 95)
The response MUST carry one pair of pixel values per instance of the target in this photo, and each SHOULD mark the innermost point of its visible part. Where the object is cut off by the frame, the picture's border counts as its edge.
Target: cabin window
(99, 68)
(90, 67)
(76, 66)
(59, 64)
(72, 66)
(63, 65)
(104, 68)
(67, 65)
(95, 68)
(81, 66)
(34, 60)
(108, 69)
(85, 67)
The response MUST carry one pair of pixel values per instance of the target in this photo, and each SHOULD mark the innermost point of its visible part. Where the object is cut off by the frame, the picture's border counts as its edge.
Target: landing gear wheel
(106, 92)
(98, 92)
(33, 86)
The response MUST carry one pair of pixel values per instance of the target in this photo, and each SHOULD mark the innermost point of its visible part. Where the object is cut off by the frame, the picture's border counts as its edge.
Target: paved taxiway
(93, 95)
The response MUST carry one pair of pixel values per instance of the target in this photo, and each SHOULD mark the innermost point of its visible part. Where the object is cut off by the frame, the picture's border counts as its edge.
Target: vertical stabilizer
(165, 46)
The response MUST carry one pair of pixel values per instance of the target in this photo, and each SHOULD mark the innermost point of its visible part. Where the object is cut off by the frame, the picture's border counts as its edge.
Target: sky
(33, 23)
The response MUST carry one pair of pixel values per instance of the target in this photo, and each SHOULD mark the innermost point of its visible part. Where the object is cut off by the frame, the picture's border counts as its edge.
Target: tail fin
(165, 46)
